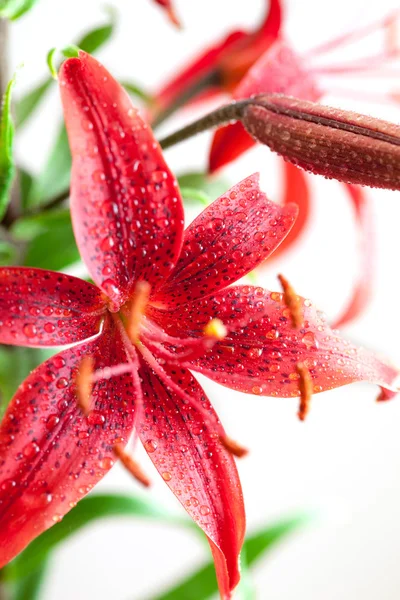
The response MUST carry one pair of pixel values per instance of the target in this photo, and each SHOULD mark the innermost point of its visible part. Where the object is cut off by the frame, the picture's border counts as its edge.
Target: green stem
(221, 116)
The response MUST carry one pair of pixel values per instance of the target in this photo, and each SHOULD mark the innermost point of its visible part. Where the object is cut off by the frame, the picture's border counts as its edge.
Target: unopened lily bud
(335, 143)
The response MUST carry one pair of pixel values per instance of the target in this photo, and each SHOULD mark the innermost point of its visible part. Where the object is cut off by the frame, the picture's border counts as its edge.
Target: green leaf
(89, 509)
(54, 178)
(13, 9)
(190, 194)
(212, 187)
(30, 586)
(138, 92)
(27, 104)
(55, 249)
(15, 364)
(27, 228)
(8, 253)
(7, 168)
(25, 184)
(90, 42)
(203, 584)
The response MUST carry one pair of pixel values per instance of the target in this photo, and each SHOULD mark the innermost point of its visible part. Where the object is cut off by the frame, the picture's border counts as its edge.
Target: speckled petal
(126, 207)
(227, 240)
(261, 357)
(50, 454)
(200, 472)
(43, 308)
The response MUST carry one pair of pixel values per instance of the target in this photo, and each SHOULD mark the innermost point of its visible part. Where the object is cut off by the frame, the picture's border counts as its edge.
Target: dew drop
(150, 446)
(62, 383)
(106, 463)
(52, 421)
(204, 510)
(59, 362)
(166, 476)
(29, 330)
(95, 417)
(31, 449)
(309, 340)
(49, 327)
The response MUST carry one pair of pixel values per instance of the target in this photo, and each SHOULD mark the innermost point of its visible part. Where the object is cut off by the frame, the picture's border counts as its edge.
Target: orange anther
(131, 465)
(137, 309)
(306, 389)
(292, 301)
(215, 329)
(233, 447)
(84, 383)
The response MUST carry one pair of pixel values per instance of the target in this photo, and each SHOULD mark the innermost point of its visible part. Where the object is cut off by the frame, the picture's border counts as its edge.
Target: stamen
(292, 302)
(137, 308)
(84, 383)
(306, 389)
(131, 465)
(233, 447)
(215, 329)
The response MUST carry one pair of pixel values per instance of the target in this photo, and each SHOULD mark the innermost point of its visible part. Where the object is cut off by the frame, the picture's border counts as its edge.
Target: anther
(233, 447)
(292, 302)
(137, 308)
(215, 329)
(84, 383)
(306, 389)
(131, 465)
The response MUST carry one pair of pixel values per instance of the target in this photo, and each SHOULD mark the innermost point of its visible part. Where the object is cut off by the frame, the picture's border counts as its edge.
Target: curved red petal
(50, 454)
(228, 143)
(361, 294)
(227, 240)
(168, 6)
(44, 308)
(190, 458)
(261, 357)
(126, 206)
(278, 70)
(297, 191)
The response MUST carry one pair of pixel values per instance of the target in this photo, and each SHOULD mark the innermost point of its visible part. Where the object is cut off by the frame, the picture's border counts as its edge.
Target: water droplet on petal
(150, 446)
(29, 330)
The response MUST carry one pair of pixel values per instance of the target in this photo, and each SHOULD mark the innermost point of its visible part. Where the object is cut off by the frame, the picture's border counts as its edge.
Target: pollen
(215, 329)
(84, 383)
(131, 465)
(306, 389)
(292, 302)
(233, 447)
(137, 307)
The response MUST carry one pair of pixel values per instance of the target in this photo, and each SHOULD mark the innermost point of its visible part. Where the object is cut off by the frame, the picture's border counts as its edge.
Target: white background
(343, 463)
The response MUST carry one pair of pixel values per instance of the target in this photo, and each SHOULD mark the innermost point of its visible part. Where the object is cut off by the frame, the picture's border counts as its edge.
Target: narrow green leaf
(71, 51)
(30, 586)
(15, 364)
(138, 92)
(27, 228)
(8, 253)
(39, 252)
(203, 584)
(28, 103)
(54, 178)
(25, 184)
(89, 509)
(213, 187)
(190, 194)
(7, 168)
(93, 40)
(50, 63)
(13, 9)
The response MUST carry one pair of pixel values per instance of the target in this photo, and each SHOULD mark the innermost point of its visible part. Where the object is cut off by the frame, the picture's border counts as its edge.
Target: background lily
(128, 221)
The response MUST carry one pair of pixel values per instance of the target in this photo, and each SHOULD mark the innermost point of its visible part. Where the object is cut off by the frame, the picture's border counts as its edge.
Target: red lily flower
(154, 313)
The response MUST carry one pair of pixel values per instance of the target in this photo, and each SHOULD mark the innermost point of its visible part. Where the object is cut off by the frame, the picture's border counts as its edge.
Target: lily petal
(51, 455)
(261, 357)
(227, 240)
(126, 207)
(43, 308)
(362, 290)
(190, 458)
(296, 190)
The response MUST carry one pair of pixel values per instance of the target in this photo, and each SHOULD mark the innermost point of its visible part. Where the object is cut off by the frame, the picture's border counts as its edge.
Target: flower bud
(335, 143)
